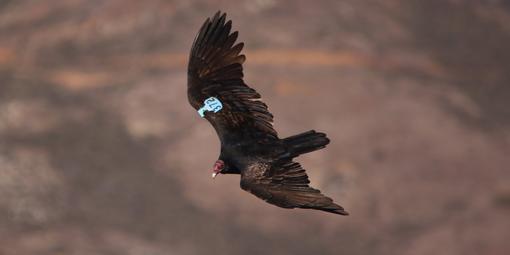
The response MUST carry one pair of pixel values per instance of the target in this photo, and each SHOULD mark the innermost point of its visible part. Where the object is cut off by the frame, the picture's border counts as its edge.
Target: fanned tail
(305, 142)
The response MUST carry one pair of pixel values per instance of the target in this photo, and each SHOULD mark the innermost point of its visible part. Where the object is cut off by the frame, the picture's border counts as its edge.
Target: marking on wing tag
(211, 104)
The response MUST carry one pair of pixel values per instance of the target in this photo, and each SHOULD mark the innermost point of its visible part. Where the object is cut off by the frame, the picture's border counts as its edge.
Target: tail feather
(305, 142)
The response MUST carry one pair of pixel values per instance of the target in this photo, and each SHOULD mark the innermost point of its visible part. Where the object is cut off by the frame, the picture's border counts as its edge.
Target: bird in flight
(249, 144)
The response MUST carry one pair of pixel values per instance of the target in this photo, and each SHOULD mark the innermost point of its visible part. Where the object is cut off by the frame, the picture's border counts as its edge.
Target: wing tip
(338, 211)
(219, 16)
(216, 32)
(333, 208)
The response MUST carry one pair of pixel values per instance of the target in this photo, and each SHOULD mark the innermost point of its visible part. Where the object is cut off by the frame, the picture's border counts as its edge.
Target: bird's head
(222, 167)
(218, 167)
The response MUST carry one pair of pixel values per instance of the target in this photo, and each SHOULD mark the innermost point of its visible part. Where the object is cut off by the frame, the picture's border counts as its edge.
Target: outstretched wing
(285, 184)
(215, 70)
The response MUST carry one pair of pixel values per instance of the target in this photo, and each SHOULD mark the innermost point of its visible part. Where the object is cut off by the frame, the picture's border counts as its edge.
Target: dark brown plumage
(249, 144)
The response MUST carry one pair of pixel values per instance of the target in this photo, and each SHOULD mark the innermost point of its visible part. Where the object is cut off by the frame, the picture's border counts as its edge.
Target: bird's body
(249, 144)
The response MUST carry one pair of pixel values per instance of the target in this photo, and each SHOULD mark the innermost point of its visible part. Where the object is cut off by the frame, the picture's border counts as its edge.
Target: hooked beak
(214, 175)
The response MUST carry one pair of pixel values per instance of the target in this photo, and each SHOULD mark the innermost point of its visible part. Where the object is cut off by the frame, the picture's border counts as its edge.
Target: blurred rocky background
(100, 152)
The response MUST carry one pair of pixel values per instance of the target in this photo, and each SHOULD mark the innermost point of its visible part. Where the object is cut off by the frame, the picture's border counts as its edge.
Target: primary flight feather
(249, 144)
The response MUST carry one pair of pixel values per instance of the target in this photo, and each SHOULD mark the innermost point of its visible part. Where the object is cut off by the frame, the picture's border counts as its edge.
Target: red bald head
(218, 166)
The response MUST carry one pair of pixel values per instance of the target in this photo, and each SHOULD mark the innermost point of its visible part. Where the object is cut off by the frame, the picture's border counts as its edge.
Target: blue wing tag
(211, 104)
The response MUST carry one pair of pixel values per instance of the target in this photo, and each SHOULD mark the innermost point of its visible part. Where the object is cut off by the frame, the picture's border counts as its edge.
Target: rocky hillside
(100, 152)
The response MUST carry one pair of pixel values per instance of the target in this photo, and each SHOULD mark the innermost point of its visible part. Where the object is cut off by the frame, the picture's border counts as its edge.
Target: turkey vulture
(249, 144)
